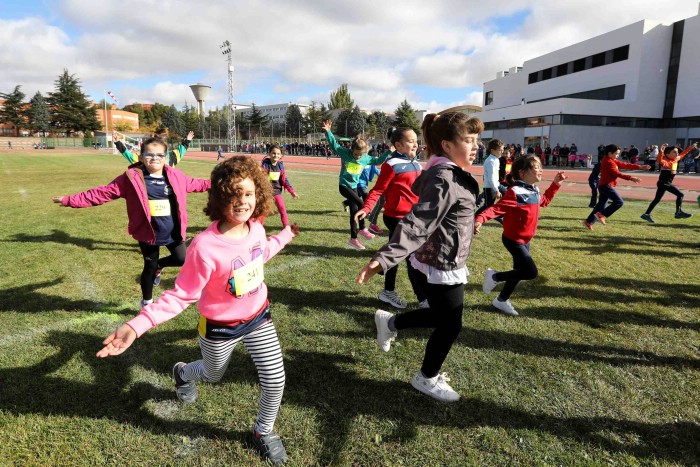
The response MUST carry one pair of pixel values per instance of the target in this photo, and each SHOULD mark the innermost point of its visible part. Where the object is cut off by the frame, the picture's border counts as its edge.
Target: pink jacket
(132, 188)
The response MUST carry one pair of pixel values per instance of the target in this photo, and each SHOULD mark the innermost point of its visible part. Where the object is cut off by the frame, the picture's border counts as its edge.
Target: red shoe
(588, 225)
(375, 229)
(600, 217)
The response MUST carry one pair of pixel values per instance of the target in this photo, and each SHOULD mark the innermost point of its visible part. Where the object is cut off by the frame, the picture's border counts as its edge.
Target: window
(563, 69)
(488, 98)
(621, 53)
(546, 74)
(598, 60)
(579, 65)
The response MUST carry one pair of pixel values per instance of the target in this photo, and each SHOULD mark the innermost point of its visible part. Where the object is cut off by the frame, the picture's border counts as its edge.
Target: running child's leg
(177, 250)
(355, 205)
(679, 196)
(524, 268)
(150, 265)
(215, 359)
(616, 202)
(279, 202)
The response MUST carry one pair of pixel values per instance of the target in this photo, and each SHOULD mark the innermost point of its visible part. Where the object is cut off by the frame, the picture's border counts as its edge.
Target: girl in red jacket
(520, 208)
(156, 204)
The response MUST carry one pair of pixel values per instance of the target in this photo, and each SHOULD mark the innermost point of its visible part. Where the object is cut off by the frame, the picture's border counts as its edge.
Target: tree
(191, 120)
(70, 108)
(294, 121)
(406, 117)
(254, 122)
(102, 104)
(342, 124)
(340, 99)
(172, 120)
(356, 122)
(38, 114)
(13, 110)
(380, 123)
(314, 118)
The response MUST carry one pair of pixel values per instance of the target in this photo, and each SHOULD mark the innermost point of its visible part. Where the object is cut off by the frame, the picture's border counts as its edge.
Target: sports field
(601, 368)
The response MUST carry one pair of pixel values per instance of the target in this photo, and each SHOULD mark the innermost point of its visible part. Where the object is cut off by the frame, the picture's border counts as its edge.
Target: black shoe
(186, 390)
(647, 217)
(683, 215)
(270, 447)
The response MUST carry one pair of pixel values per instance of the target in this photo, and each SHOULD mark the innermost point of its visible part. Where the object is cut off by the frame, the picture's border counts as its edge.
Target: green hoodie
(351, 168)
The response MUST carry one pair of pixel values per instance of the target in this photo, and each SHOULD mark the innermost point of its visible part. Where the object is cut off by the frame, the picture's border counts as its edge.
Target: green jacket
(351, 168)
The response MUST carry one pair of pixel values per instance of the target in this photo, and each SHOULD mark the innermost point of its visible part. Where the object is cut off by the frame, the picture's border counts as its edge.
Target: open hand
(360, 215)
(477, 228)
(117, 342)
(190, 136)
(327, 125)
(368, 271)
(57, 199)
(635, 179)
(293, 229)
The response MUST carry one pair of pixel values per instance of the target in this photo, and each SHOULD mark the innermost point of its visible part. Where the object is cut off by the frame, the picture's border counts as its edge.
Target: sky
(435, 54)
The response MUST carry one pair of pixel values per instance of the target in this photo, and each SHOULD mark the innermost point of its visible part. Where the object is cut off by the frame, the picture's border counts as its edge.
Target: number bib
(249, 277)
(674, 167)
(159, 207)
(353, 168)
(275, 176)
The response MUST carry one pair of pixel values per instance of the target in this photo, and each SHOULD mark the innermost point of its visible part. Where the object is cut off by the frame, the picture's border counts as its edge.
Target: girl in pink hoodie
(224, 273)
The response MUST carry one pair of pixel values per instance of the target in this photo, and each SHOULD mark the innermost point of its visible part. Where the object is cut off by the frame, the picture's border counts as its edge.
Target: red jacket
(395, 180)
(520, 208)
(132, 188)
(609, 172)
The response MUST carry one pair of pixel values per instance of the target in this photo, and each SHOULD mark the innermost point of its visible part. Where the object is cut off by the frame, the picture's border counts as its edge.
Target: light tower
(231, 134)
(201, 92)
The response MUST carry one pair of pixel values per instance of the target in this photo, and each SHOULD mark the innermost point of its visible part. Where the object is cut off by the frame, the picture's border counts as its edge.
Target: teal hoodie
(351, 168)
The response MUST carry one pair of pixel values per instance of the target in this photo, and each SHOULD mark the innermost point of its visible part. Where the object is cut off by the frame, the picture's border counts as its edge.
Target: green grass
(602, 366)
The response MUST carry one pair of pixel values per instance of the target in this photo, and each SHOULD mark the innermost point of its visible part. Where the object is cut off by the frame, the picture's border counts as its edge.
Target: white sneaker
(506, 307)
(143, 303)
(385, 336)
(436, 387)
(392, 298)
(489, 283)
(424, 304)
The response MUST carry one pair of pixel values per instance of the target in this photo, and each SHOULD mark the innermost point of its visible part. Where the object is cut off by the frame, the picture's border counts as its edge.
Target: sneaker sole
(422, 390)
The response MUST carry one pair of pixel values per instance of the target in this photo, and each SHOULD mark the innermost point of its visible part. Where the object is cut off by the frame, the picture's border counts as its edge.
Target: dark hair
(389, 132)
(153, 140)
(273, 147)
(398, 134)
(668, 149)
(450, 126)
(611, 149)
(494, 144)
(521, 163)
(223, 191)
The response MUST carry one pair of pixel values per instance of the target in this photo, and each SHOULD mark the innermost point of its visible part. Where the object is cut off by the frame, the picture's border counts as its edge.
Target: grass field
(601, 368)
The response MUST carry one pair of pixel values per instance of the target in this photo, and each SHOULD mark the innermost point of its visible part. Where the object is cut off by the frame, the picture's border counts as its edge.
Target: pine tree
(340, 99)
(295, 126)
(342, 124)
(38, 114)
(314, 117)
(406, 117)
(356, 122)
(171, 119)
(13, 110)
(255, 122)
(70, 108)
(381, 122)
(191, 120)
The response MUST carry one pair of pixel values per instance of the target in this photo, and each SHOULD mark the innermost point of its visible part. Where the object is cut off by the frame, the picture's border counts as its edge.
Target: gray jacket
(440, 226)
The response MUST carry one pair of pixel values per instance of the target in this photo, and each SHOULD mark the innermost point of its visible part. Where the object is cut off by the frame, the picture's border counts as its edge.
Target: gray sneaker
(186, 390)
(392, 298)
(489, 282)
(647, 217)
(270, 447)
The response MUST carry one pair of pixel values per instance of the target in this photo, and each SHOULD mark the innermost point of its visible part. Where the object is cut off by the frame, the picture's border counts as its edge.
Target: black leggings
(444, 316)
(355, 202)
(413, 274)
(661, 189)
(524, 268)
(151, 263)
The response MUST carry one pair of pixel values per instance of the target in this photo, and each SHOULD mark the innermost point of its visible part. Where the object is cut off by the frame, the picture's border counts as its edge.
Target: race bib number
(508, 167)
(353, 168)
(275, 176)
(159, 207)
(674, 167)
(249, 277)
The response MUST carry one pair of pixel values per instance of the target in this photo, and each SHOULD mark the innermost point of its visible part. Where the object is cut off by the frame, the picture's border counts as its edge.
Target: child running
(394, 183)
(156, 205)
(668, 162)
(353, 161)
(438, 231)
(174, 155)
(520, 208)
(492, 172)
(224, 272)
(609, 173)
(274, 167)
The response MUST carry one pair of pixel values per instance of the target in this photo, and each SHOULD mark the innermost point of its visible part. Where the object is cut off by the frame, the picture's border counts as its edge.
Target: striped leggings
(264, 347)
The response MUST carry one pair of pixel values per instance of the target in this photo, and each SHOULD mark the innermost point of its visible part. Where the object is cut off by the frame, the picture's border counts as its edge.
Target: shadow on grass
(59, 236)
(27, 299)
(622, 245)
(363, 257)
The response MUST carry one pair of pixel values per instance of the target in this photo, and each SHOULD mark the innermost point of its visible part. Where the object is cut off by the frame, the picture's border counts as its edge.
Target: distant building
(276, 112)
(118, 118)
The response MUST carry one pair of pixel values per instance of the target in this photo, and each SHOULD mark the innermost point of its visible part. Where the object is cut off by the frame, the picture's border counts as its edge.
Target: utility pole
(231, 133)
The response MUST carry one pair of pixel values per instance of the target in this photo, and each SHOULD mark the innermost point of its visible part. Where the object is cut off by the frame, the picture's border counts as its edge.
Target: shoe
(345, 206)
(489, 282)
(355, 243)
(143, 303)
(600, 217)
(591, 206)
(435, 387)
(186, 391)
(270, 447)
(505, 307)
(375, 229)
(588, 225)
(156, 279)
(424, 304)
(647, 217)
(392, 298)
(385, 336)
(682, 215)
(366, 233)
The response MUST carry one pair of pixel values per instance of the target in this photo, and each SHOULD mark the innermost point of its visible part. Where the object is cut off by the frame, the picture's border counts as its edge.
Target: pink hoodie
(207, 277)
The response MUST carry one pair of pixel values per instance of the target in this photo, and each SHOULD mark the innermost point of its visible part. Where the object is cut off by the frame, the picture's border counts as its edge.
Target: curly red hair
(224, 180)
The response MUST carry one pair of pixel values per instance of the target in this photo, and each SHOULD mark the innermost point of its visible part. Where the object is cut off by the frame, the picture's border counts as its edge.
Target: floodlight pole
(231, 133)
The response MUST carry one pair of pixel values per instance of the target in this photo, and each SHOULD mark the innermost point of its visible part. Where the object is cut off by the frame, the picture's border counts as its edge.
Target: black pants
(524, 268)
(661, 189)
(355, 203)
(416, 277)
(489, 199)
(444, 316)
(151, 263)
(594, 192)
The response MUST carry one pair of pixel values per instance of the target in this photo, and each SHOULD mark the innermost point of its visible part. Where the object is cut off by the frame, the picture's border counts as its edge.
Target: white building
(639, 84)
(276, 112)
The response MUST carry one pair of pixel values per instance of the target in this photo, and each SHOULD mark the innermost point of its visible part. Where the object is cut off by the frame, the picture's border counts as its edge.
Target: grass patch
(602, 366)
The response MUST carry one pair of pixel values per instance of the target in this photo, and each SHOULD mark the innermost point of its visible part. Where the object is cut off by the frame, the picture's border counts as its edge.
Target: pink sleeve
(95, 196)
(275, 243)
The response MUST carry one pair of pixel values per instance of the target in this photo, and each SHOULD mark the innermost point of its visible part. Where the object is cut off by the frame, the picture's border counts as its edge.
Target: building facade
(276, 112)
(639, 84)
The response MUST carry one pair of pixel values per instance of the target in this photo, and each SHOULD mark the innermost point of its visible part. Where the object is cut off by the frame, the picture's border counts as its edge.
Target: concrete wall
(688, 87)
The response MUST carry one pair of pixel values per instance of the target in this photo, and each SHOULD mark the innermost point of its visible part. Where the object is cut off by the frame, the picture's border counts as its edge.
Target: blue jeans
(606, 193)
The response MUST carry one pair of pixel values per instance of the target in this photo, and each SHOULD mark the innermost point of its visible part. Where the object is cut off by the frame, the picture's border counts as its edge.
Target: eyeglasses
(154, 155)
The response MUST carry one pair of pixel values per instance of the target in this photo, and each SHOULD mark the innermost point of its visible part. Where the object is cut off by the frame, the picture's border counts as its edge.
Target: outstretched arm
(117, 342)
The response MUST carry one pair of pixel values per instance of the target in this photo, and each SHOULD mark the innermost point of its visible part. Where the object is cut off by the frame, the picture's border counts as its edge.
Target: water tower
(201, 93)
